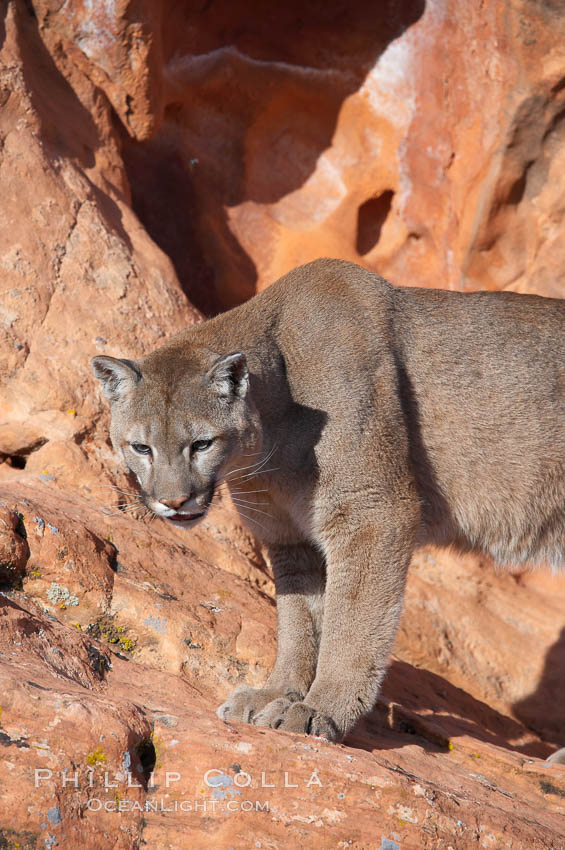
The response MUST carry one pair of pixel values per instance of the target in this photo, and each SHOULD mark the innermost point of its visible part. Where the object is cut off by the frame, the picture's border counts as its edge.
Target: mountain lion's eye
(202, 445)
(141, 449)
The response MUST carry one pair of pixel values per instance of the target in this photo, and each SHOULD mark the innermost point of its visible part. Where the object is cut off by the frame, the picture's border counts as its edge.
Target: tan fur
(374, 419)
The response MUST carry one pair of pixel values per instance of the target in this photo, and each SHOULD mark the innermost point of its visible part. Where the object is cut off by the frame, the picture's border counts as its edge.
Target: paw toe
(300, 717)
(242, 704)
(272, 715)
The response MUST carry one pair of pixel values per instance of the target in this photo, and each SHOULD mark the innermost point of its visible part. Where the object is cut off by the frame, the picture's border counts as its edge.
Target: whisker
(240, 469)
(119, 490)
(248, 476)
(137, 501)
(267, 459)
(124, 509)
(243, 502)
(248, 501)
(240, 493)
(253, 474)
(269, 456)
(247, 492)
(258, 464)
(241, 513)
(248, 507)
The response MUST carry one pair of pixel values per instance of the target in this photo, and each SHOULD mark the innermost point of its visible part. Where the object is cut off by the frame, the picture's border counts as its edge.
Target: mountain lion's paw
(272, 714)
(297, 717)
(244, 703)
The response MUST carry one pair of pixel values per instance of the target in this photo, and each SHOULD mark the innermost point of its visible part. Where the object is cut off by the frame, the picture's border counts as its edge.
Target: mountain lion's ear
(229, 376)
(116, 375)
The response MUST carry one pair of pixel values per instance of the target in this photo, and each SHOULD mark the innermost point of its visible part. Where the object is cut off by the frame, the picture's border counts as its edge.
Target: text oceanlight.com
(164, 805)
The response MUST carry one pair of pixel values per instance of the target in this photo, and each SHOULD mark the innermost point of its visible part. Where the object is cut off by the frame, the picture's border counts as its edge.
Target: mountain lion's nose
(174, 503)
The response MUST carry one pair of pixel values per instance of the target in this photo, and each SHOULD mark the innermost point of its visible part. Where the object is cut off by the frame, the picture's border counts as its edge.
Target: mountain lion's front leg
(299, 582)
(367, 554)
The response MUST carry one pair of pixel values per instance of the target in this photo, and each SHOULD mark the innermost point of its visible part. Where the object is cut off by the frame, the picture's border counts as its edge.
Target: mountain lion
(352, 421)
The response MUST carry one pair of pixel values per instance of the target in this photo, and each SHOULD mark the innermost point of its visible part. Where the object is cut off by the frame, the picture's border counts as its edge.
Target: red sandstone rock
(14, 551)
(441, 762)
(78, 274)
(425, 143)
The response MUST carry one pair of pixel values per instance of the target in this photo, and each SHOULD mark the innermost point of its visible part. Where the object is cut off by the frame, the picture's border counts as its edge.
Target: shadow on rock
(253, 98)
(543, 711)
(417, 702)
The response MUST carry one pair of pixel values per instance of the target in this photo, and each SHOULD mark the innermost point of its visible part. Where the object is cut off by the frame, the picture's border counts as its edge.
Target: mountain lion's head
(180, 421)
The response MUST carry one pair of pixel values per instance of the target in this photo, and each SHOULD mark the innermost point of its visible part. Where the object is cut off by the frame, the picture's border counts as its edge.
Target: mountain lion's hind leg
(299, 583)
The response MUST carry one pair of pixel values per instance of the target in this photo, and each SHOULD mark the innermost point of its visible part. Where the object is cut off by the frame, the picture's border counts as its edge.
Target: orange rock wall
(420, 139)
